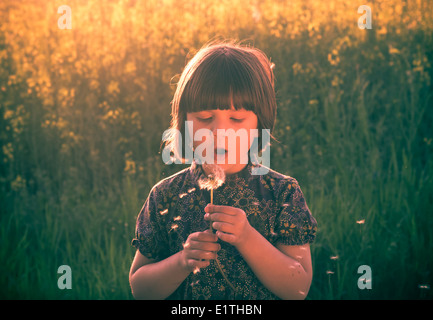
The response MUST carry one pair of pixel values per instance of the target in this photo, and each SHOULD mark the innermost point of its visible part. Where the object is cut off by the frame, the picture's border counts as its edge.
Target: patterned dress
(274, 205)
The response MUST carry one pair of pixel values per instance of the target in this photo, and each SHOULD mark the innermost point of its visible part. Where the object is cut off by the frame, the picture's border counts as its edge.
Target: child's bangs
(220, 83)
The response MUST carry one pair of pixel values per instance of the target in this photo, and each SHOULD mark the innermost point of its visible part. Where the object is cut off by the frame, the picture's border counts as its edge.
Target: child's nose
(219, 123)
(222, 126)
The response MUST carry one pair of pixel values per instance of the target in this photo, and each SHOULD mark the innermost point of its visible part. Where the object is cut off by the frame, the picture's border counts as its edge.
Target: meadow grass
(82, 115)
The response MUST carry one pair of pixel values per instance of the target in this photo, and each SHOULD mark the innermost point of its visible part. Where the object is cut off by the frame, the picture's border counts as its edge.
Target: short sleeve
(150, 239)
(295, 224)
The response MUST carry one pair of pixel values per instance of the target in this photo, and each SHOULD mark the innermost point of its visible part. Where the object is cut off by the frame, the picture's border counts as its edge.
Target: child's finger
(204, 246)
(221, 217)
(211, 208)
(227, 237)
(223, 227)
(205, 236)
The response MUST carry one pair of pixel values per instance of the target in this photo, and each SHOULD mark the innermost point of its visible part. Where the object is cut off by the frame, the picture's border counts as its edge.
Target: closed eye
(210, 119)
(204, 119)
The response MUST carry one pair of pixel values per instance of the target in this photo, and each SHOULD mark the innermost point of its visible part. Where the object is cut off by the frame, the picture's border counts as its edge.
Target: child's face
(225, 119)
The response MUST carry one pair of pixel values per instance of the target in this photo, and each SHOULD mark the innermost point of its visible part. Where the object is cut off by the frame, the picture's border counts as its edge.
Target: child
(262, 224)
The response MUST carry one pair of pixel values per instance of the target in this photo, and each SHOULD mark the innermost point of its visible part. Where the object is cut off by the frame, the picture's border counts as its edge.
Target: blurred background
(82, 112)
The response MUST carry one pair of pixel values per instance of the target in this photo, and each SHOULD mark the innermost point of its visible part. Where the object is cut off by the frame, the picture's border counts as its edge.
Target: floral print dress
(274, 205)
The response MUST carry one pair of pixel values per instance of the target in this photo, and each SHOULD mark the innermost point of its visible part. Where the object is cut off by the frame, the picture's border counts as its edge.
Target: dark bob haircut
(224, 75)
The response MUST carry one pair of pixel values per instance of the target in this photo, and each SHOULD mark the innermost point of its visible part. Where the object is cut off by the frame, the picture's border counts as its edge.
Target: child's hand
(231, 223)
(198, 249)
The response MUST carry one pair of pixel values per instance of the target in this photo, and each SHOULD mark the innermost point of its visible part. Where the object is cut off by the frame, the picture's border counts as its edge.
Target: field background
(82, 113)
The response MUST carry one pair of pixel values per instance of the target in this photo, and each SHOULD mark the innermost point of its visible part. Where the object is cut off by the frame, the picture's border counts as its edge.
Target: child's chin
(230, 168)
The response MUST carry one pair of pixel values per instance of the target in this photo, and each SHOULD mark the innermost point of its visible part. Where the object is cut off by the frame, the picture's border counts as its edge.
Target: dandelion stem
(211, 182)
(216, 259)
(224, 275)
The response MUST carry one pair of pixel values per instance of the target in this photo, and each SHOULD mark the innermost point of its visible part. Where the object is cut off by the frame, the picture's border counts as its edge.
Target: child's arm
(150, 279)
(286, 270)
(155, 280)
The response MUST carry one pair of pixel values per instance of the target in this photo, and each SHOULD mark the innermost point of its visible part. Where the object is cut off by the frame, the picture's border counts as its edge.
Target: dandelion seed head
(214, 180)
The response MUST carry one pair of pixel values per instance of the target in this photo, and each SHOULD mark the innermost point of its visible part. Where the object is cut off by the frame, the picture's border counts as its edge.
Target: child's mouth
(220, 151)
(220, 155)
